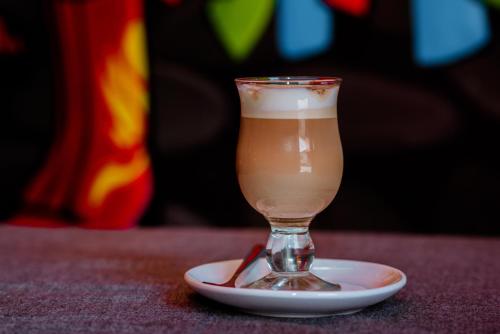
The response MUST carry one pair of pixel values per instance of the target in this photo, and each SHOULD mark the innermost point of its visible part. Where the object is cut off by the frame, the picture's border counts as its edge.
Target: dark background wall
(421, 145)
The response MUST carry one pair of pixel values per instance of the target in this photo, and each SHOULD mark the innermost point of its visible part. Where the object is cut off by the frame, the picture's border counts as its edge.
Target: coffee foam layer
(288, 103)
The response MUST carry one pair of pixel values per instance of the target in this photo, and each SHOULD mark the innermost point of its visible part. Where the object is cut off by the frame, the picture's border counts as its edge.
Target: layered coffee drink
(289, 158)
(289, 165)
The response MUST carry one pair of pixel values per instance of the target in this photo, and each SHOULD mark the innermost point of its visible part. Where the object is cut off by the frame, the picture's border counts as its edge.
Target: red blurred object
(353, 7)
(8, 44)
(98, 172)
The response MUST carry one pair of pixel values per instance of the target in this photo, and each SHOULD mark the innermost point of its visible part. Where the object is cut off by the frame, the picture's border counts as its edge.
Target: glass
(289, 165)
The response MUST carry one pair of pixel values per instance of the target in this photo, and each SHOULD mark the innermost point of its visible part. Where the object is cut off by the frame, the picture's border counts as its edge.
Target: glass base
(293, 282)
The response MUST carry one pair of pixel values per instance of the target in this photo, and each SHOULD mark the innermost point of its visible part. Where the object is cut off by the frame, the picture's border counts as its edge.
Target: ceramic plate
(363, 284)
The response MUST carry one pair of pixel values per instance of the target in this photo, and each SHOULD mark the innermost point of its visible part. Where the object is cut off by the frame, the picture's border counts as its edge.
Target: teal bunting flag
(445, 31)
(304, 28)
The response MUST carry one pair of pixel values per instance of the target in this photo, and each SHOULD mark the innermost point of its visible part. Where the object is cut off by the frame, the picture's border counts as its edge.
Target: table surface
(81, 281)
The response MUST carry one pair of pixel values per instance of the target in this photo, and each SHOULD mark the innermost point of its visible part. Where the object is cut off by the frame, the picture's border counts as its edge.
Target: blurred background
(115, 113)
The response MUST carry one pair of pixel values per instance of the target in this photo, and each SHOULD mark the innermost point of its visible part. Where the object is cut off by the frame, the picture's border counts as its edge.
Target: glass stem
(290, 250)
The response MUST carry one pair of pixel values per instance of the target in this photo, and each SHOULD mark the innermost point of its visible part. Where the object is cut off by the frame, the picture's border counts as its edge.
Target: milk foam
(281, 102)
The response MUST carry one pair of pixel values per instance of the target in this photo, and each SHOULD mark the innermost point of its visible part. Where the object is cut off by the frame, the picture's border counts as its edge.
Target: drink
(289, 165)
(289, 168)
(289, 159)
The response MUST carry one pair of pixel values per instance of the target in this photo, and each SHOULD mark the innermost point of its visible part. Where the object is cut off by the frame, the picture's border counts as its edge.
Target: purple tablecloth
(78, 281)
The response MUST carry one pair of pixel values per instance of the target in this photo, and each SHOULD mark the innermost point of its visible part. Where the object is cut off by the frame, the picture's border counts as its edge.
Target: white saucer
(363, 284)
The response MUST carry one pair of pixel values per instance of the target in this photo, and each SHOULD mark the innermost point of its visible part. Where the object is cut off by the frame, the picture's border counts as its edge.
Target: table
(83, 281)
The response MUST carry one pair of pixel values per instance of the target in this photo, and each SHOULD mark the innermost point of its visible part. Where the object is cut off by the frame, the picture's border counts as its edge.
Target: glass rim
(291, 81)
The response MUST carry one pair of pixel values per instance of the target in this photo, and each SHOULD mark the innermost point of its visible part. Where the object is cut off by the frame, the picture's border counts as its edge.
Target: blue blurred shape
(304, 28)
(448, 30)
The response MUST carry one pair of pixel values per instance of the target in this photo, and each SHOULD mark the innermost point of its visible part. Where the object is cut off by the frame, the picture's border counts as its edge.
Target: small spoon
(256, 252)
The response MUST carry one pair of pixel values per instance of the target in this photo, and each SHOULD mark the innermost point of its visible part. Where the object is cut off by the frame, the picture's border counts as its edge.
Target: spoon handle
(253, 255)
(250, 258)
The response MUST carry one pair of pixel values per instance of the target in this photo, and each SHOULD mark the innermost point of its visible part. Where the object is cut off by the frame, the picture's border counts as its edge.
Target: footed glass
(289, 166)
